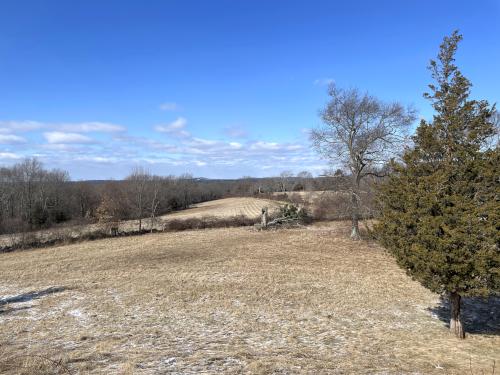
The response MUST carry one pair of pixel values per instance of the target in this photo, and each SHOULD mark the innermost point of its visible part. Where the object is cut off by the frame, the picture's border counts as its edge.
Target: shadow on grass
(29, 296)
(480, 315)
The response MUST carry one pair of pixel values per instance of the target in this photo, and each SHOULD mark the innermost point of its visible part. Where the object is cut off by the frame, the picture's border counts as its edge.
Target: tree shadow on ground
(29, 296)
(480, 315)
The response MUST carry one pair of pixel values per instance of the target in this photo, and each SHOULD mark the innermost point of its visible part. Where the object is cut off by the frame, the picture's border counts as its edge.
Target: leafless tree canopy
(361, 133)
(137, 185)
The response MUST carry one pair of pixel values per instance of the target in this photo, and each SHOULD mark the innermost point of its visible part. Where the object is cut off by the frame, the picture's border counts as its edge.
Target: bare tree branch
(362, 133)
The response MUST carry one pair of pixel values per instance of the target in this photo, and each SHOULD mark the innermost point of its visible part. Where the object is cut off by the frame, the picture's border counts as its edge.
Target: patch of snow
(79, 315)
(170, 361)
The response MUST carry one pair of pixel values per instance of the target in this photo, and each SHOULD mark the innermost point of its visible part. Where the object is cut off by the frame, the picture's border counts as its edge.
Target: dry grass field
(233, 300)
(309, 196)
(220, 208)
(227, 207)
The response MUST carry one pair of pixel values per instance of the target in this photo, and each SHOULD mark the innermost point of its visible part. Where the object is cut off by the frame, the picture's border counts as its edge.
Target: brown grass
(227, 207)
(227, 300)
(217, 213)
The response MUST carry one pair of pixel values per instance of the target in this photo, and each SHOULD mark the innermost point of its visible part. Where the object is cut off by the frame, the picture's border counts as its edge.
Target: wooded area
(32, 197)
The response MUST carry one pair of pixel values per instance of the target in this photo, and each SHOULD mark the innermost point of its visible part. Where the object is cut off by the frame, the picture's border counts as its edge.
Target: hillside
(220, 208)
(237, 300)
(224, 208)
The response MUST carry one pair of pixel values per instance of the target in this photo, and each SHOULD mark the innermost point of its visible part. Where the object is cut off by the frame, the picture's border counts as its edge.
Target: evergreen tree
(441, 206)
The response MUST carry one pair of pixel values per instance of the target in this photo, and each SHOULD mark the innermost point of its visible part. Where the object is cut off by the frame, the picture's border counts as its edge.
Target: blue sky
(214, 88)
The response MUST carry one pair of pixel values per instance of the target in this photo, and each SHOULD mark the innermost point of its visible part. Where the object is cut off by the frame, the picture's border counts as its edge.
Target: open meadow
(233, 300)
(227, 208)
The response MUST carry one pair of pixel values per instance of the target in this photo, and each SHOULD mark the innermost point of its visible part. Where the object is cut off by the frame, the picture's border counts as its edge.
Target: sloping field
(228, 207)
(220, 208)
(229, 301)
(308, 196)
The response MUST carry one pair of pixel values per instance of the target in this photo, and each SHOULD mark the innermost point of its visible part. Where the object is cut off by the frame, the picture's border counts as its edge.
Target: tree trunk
(355, 217)
(264, 218)
(456, 325)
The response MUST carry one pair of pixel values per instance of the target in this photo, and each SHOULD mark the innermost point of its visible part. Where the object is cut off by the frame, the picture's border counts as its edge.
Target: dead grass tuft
(26, 364)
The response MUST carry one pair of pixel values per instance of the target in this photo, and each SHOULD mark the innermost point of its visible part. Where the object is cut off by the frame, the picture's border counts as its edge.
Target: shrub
(332, 206)
(208, 222)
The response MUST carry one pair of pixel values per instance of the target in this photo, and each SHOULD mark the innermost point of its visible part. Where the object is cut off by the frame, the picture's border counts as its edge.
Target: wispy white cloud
(323, 81)
(65, 138)
(175, 128)
(205, 142)
(19, 126)
(9, 155)
(261, 145)
(96, 159)
(88, 127)
(8, 139)
(274, 146)
(78, 127)
(72, 146)
(169, 106)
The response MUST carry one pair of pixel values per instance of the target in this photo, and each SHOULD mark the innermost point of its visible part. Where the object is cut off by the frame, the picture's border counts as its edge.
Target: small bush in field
(207, 222)
(291, 211)
(289, 215)
(331, 207)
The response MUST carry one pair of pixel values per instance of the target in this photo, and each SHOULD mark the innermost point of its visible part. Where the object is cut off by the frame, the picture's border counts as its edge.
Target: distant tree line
(33, 197)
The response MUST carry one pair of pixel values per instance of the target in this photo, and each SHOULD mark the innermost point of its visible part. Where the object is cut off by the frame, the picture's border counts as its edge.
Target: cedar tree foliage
(441, 205)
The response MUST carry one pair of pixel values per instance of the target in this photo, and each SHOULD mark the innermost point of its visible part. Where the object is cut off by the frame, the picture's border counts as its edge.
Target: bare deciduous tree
(86, 198)
(154, 198)
(285, 179)
(137, 183)
(361, 132)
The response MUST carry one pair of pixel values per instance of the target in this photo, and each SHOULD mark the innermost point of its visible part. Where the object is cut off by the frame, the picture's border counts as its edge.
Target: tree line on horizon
(33, 197)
